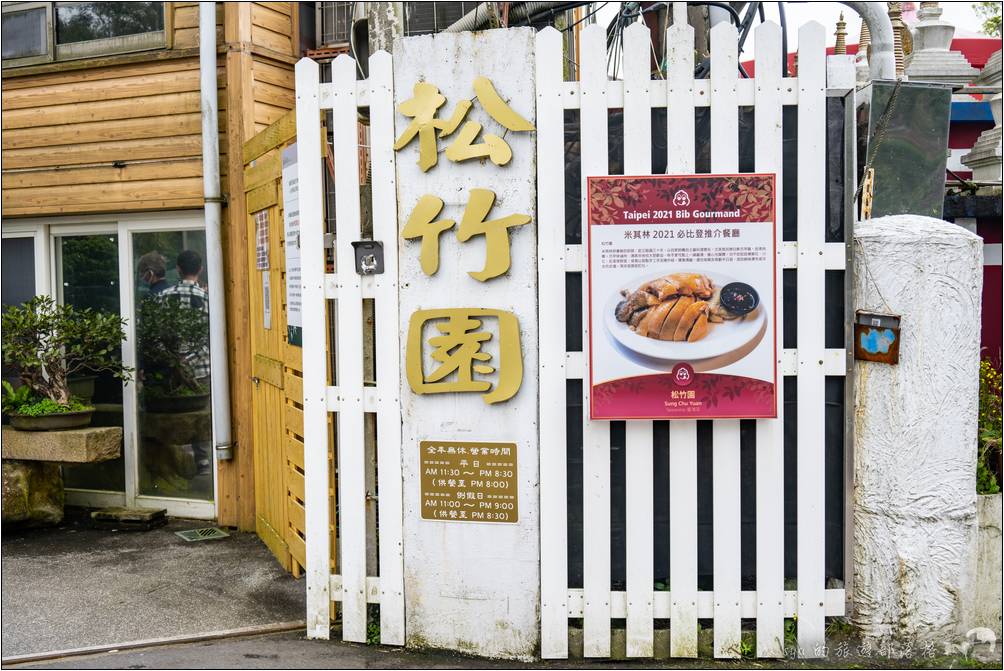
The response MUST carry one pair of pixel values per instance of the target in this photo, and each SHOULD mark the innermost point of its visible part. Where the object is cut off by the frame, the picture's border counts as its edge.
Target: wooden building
(102, 173)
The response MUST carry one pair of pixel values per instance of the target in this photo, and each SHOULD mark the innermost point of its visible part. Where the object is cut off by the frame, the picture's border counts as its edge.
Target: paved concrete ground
(291, 651)
(73, 586)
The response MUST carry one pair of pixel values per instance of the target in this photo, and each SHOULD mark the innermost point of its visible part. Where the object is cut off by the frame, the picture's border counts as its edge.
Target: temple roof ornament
(861, 57)
(902, 40)
(932, 59)
(840, 48)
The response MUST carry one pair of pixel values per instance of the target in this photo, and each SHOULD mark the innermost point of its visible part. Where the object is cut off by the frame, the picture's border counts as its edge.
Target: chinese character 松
(426, 100)
(463, 365)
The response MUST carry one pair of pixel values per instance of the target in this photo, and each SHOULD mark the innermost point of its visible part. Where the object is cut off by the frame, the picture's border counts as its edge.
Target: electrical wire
(585, 17)
(784, 39)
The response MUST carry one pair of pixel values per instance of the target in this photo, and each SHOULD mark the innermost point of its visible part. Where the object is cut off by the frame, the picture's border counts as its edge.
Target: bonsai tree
(171, 337)
(47, 343)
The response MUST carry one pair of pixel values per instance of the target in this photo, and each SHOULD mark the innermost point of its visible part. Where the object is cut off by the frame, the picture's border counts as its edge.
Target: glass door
(149, 269)
(174, 428)
(87, 276)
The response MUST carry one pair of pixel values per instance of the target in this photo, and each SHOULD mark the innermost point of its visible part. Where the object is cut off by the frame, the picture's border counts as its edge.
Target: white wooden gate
(683, 604)
(640, 604)
(352, 398)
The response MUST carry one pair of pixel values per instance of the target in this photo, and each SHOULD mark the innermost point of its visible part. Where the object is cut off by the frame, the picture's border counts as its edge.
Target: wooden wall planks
(142, 113)
(63, 131)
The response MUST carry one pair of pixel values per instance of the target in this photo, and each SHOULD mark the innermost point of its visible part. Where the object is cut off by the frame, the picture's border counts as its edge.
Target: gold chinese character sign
(463, 365)
(421, 224)
(422, 107)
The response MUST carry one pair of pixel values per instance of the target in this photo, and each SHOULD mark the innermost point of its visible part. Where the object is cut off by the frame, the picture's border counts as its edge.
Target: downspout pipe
(882, 58)
(213, 197)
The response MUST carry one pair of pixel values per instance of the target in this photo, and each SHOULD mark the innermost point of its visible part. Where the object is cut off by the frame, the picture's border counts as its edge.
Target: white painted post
(595, 434)
(639, 508)
(725, 464)
(767, 137)
(915, 431)
(388, 344)
(811, 344)
(551, 321)
(682, 433)
(315, 424)
(348, 355)
(472, 586)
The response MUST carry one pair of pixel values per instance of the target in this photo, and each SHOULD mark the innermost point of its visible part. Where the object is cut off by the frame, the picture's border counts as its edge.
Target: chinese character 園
(463, 366)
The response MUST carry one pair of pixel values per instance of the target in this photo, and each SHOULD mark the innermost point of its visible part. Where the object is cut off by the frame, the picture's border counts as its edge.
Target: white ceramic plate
(721, 339)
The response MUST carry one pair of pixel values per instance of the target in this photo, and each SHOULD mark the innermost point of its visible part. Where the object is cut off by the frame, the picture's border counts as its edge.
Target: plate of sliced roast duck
(685, 315)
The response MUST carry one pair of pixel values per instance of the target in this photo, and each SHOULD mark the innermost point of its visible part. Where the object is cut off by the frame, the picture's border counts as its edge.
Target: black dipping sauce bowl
(739, 298)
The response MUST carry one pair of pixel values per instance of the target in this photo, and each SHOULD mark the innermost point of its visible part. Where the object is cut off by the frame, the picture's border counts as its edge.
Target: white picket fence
(593, 95)
(596, 604)
(350, 399)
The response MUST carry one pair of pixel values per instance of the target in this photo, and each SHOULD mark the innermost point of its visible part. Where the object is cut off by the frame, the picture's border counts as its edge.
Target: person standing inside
(188, 294)
(152, 269)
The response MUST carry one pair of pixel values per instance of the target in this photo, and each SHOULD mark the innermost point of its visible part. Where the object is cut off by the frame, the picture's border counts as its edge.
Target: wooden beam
(279, 132)
(87, 64)
(236, 503)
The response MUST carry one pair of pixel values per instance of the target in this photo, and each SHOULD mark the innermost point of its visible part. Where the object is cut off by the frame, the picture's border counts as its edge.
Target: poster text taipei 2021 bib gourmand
(682, 297)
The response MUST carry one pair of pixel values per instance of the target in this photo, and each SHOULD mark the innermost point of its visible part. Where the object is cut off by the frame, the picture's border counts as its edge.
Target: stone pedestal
(168, 456)
(32, 479)
(914, 492)
(32, 493)
(75, 446)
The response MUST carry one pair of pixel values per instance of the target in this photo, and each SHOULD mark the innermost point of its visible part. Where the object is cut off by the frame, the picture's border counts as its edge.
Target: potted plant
(172, 340)
(47, 344)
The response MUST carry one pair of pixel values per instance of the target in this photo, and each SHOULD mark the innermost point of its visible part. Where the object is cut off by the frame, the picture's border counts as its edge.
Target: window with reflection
(40, 32)
(25, 33)
(84, 21)
(172, 361)
(88, 277)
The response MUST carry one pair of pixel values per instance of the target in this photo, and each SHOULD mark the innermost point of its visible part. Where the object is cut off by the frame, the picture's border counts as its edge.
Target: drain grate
(205, 534)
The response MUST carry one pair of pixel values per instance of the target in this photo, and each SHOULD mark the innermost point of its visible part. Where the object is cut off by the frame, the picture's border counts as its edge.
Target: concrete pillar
(914, 490)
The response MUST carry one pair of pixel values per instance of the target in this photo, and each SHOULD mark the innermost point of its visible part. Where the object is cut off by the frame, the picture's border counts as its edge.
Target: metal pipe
(475, 18)
(882, 58)
(219, 373)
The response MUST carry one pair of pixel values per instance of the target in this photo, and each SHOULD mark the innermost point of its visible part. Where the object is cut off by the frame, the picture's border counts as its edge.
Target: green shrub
(49, 407)
(47, 343)
(989, 429)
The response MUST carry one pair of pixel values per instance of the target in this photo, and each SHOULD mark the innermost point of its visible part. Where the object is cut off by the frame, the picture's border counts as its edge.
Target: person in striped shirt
(190, 295)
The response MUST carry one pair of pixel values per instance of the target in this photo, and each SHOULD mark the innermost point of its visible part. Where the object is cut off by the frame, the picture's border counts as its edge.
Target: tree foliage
(990, 15)
(47, 343)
